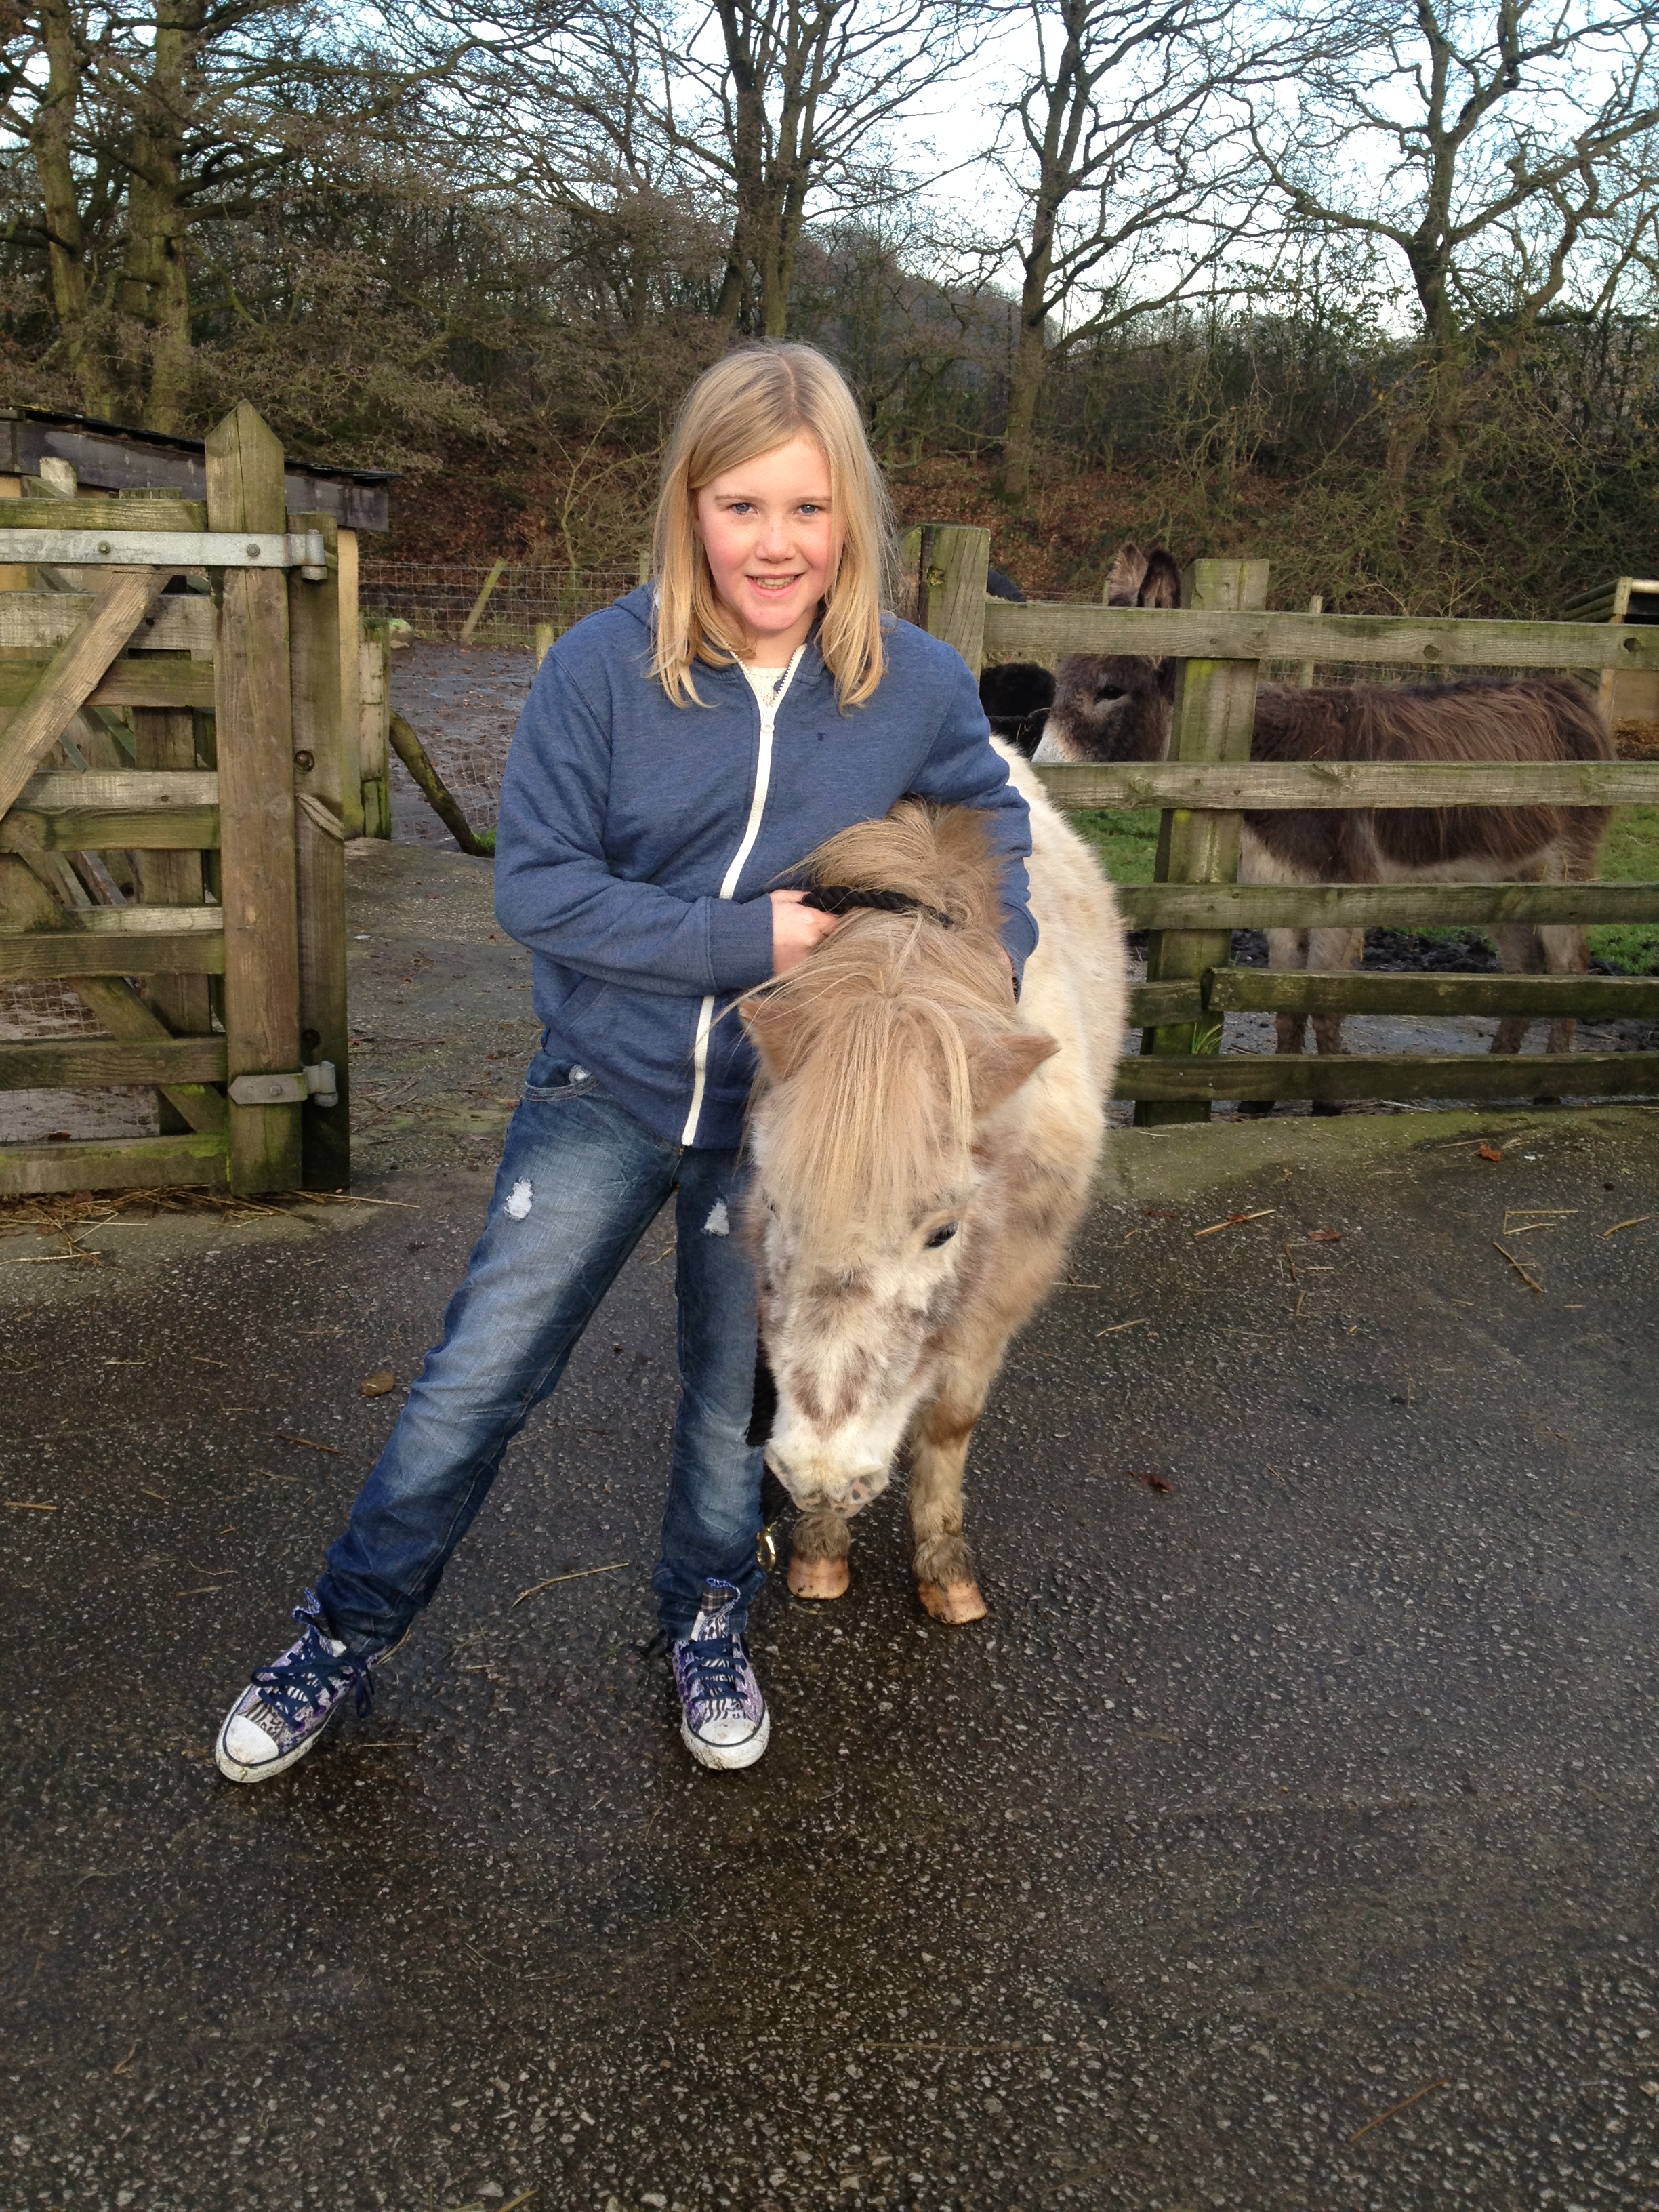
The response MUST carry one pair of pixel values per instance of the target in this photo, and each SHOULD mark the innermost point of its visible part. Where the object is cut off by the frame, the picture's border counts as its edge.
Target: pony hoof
(954, 1602)
(818, 1578)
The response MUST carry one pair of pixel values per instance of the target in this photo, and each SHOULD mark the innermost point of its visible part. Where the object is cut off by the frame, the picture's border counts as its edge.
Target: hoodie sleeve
(961, 770)
(553, 888)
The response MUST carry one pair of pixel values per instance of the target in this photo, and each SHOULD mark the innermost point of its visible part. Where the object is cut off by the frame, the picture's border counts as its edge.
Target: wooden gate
(1220, 637)
(221, 982)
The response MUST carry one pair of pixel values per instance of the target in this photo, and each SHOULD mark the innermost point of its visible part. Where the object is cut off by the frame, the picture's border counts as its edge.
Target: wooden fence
(230, 713)
(1220, 637)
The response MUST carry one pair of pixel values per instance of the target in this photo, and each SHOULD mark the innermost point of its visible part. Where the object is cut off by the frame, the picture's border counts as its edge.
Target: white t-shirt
(764, 681)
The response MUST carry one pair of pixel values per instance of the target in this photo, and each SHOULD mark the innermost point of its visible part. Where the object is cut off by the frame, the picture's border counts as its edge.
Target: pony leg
(943, 1565)
(818, 1556)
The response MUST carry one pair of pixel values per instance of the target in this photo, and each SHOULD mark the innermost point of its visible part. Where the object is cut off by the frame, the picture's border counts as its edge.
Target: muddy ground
(1284, 1839)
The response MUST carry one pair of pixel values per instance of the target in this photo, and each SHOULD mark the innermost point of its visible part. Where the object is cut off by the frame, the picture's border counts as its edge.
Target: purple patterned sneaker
(287, 1705)
(725, 1722)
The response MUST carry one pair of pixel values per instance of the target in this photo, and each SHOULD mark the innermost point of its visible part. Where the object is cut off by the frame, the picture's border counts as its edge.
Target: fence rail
(1273, 787)
(1223, 638)
(1048, 631)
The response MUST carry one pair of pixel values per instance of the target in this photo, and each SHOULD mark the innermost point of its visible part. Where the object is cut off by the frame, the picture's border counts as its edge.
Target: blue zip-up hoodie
(621, 817)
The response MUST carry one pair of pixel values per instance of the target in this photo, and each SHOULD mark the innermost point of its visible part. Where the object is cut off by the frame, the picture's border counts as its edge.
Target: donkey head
(1117, 707)
(879, 1175)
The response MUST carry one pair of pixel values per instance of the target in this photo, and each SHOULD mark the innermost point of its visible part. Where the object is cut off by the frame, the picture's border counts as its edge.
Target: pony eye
(1110, 693)
(941, 1235)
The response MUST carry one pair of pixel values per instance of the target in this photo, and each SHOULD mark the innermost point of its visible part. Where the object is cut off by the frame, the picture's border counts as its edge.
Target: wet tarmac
(1284, 1839)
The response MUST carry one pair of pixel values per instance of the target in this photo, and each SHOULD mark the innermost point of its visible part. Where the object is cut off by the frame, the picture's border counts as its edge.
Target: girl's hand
(796, 930)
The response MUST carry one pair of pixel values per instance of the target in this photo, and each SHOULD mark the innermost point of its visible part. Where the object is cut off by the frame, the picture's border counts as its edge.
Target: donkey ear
(996, 1065)
(773, 1028)
(1124, 577)
(1160, 587)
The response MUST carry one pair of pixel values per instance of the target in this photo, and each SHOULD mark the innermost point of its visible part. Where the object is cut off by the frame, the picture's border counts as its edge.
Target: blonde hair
(756, 399)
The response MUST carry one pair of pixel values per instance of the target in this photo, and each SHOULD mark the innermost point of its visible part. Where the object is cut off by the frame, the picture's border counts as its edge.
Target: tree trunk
(1025, 375)
(51, 143)
(748, 166)
(155, 287)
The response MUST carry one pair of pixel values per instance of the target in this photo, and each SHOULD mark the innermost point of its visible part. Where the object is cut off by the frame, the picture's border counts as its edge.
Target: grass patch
(1127, 845)
(1630, 855)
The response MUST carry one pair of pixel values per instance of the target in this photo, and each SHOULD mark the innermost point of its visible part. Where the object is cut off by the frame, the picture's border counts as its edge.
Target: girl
(680, 752)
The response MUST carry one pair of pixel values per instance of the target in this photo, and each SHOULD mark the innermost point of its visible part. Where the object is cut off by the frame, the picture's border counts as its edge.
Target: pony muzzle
(816, 1484)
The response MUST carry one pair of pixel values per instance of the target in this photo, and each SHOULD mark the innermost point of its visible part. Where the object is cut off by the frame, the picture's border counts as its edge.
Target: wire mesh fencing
(492, 602)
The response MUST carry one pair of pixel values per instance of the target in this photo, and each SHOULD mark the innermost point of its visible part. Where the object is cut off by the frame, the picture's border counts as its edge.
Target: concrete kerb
(1169, 1163)
(1140, 1165)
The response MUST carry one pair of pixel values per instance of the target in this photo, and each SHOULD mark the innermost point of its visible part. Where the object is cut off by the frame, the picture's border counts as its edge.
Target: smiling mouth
(774, 587)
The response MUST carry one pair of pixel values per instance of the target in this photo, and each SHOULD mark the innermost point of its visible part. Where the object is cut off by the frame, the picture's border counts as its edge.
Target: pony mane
(865, 1045)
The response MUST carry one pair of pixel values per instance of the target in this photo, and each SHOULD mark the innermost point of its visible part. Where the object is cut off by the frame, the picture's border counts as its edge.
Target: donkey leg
(1566, 952)
(1287, 949)
(1521, 949)
(943, 1565)
(1332, 949)
(818, 1546)
(1287, 953)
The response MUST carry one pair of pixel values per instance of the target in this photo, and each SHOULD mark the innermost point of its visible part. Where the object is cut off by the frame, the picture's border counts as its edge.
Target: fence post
(320, 767)
(954, 558)
(351, 773)
(374, 726)
(1214, 716)
(254, 715)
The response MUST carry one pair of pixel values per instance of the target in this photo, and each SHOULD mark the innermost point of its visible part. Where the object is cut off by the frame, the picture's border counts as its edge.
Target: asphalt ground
(1283, 1839)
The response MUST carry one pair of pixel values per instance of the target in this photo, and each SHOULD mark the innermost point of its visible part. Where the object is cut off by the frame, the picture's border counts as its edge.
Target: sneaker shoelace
(306, 1679)
(712, 1661)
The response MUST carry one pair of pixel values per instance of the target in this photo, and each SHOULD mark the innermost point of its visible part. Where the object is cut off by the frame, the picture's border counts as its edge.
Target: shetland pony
(923, 1149)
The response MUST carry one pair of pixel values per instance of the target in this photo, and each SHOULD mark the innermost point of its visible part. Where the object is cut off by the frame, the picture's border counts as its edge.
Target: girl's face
(772, 542)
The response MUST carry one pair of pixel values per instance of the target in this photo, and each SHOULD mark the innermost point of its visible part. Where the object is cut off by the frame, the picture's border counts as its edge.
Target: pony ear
(1160, 583)
(996, 1065)
(1125, 576)
(773, 1028)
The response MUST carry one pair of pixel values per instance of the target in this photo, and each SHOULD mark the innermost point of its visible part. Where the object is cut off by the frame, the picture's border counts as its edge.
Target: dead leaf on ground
(1324, 1237)
(1489, 1153)
(376, 1385)
(1159, 1213)
(1152, 1481)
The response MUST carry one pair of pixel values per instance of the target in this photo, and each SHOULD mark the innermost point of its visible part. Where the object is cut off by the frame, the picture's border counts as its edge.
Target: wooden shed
(1630, 696)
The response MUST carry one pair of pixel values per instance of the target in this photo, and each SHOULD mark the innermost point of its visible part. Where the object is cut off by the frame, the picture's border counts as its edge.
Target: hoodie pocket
(552, 1075)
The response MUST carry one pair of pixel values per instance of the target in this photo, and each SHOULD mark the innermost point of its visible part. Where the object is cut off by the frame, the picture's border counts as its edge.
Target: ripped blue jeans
(580, 1182)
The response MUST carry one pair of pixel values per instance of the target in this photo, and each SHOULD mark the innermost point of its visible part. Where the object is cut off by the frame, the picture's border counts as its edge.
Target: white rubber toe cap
(728, 1743)
(245, 1753)
(244, 1744)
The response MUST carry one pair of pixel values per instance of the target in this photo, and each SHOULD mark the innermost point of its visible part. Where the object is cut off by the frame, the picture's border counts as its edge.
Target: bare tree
(127, 133)
(1505, 151)
(1119, 160)
(769, 110)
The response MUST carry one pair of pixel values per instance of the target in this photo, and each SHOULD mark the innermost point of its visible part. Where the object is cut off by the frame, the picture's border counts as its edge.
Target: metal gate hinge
(318, 1082)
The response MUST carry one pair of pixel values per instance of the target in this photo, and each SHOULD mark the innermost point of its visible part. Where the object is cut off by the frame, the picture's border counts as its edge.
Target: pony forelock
(868, 1095)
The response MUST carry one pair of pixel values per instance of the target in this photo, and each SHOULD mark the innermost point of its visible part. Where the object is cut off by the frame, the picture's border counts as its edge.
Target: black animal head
(1017, 695)
(1117, 706)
